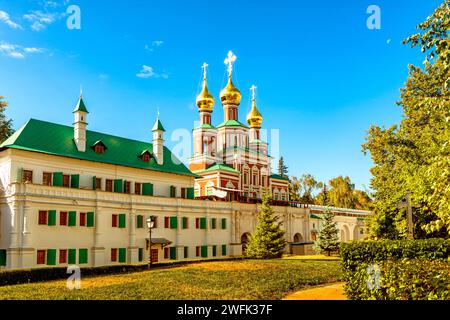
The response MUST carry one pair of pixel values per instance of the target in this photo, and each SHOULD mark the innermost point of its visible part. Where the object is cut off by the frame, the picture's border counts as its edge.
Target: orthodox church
(231, 158)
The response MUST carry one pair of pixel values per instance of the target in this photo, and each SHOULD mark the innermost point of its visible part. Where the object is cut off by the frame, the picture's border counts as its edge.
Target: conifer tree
(267, 242)
(327, 239)
(282, 168)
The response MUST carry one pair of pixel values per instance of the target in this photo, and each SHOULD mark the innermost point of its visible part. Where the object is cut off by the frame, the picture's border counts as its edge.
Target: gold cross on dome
(204, 67)
(229, 60)
(253, 90)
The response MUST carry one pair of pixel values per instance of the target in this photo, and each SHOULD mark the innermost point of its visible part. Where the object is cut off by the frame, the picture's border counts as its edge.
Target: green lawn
(243, 279)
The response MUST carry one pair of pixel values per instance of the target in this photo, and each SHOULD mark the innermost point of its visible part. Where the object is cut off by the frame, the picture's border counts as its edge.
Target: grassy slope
(247, 279)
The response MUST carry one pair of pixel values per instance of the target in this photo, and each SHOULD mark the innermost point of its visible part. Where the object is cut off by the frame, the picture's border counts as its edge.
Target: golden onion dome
(254, 117)
(230, 94)
(205, 100)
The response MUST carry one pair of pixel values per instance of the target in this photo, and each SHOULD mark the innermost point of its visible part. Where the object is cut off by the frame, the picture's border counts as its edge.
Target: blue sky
(323, 77)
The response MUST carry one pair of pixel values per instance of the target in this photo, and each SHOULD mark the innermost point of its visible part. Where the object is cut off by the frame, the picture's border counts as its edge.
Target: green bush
(409, 269)
(407, 279)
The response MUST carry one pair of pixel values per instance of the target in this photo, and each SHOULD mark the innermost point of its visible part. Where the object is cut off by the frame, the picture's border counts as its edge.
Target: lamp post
(150, 225)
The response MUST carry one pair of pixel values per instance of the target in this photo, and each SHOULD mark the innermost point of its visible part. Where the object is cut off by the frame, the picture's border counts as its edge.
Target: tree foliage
(5, 123)
(327, 239)
(303, 188)
(340, 192)
(282, 168)
(267, 242)
(414, 156)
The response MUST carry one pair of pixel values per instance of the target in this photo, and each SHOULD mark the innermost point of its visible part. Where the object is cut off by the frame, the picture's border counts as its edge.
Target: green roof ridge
(232, 123)
(277, 176)
(56, 139)
(218, 166)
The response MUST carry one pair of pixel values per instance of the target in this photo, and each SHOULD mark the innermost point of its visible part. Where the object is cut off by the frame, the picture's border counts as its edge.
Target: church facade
(69, 195)
(231, 158)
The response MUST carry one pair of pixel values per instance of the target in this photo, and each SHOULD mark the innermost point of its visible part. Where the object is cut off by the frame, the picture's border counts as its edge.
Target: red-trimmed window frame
(43, 217)
(63, 220)
(113, 255)
(40, 257)
(166, 253)
(82, 219)
(115, 220)
(166, 222)
(63, 256)
(197, 223)
(197, 251)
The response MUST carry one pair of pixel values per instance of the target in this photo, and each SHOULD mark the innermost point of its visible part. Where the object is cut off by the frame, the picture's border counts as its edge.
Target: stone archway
(356, 231)
(298, 237)
(244, 239)
(345, 233)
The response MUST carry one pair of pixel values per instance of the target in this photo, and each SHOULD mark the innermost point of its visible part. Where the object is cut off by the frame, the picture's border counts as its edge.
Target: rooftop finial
(81, 90)
(253, 90)
(204, 67)
(229, 60)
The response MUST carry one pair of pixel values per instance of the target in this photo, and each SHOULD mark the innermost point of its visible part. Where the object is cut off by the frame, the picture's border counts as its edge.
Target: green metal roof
(56, 139)
(158, 125)
(277, 176)
(232, 123)
(205, 126)
(218, 167)
(81, 106)
(313, 216)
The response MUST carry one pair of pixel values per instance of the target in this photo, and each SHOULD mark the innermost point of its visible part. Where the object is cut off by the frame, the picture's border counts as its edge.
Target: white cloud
(4, 17)
(103, 76)
(156, 43)
(148, 72)
(41, 20)
(16, 51)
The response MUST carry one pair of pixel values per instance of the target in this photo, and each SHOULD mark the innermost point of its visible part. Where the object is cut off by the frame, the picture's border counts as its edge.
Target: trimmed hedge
(58, 273)
(407, 279)
(408, 269)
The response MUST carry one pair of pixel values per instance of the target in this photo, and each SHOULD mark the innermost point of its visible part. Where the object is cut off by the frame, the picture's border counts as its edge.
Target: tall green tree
(282, 168)
(267, 242)
(5, 123)
(414, 156)
(327, 239)
(303, 188)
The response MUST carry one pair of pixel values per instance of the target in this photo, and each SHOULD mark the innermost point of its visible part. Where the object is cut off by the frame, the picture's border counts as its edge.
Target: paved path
(329, 292)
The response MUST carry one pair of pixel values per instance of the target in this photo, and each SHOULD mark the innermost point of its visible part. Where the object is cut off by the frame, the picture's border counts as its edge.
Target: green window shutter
(213, 223)
(51, 257)
(202, 223)
(122, 255)
(75, 181)
(2, 258)
(185, 222)
(173, 222)
(224, 249)
(204, 251)
(83, 256)
(224, 223)
(141, 254)
(72, 218)
(72, 256)
(122, 220)
(118, 185)
(186, 252)
(90, 219)
(190, 193)
(94, 182)
(58, 179)
(139, 221)
(214, 251)
(51, 221)
(147, 189)
(173, 191)
(173, 253)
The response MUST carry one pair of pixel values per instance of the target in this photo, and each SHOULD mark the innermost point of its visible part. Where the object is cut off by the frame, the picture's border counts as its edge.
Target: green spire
(81, 106)
(158, 125)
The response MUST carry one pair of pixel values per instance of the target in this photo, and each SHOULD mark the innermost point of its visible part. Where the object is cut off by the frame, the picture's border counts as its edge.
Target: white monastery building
(70, 195)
